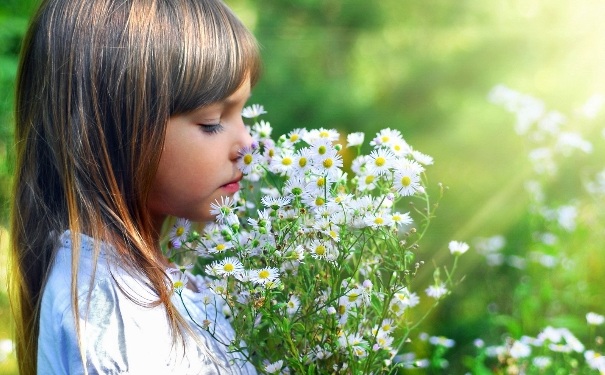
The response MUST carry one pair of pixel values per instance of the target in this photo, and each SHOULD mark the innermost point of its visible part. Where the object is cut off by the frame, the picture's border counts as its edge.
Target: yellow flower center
(228, 267)
(264, 274)
(379, 220)
(369, 179)
(324, 134)
(247, 159)
(180, 231)
(321, 182)
(385, 139)
(328, 163)
(178, 284)
(353, 297)
(271, 153)
(286, 161)
(302, 162)
(322, 150)
(220, 247)
(320, 250)
(293, 137)
(380, 161)
(406, 181)
(319, 201)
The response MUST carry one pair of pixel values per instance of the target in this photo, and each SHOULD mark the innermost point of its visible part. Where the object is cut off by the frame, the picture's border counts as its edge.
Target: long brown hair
(97, 83)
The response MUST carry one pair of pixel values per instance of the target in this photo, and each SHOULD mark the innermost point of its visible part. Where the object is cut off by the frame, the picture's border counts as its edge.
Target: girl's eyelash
(212, 128)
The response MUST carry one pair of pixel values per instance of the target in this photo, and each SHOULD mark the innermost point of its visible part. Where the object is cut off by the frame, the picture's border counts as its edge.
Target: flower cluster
(313, 257)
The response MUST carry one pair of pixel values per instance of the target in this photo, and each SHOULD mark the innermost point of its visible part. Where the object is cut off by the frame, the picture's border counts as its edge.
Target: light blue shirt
(118, 335)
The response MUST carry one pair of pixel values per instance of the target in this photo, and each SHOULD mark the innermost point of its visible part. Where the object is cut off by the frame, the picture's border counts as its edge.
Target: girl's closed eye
(212, 128)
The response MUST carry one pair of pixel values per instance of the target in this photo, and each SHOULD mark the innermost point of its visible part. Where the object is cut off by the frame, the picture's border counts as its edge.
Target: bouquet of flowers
(313, 264)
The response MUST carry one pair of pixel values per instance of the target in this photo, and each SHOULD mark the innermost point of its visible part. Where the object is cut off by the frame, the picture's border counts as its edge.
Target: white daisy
(292, 305)
(385, 137)
(355, 139)
(422, 158)
(229, 266)
(179, 232)
(264, 276)
(314, 135)
(458, 248)
(222, 209)
(436, 291)
(595, 319)
(320, 249)
(263, 129)
(253, 111)
(248, 157)
(283, 162)
(275, 367)
(401, 219)
(407, 182)
(366, 181)
(294, 137)
(380, 161)
(378, 219)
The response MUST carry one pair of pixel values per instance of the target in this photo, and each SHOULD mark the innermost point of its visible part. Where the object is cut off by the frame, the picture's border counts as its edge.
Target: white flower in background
(567, 142)
(436, 291)
(595, 360)
(442, 341)
(595, 319)
(593, 106)
(7, 347)
(551, 123)
(542, 161)
(458, 248)
(355, 139)
(542, 362)
(292, 305)
(253, 111)
(275, 367)
(520, 350)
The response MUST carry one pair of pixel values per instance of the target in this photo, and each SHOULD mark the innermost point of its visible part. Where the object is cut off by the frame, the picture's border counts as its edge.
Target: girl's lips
(231, 187)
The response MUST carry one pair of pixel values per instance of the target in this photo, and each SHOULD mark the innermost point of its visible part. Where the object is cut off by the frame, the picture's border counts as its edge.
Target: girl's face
(198, 164)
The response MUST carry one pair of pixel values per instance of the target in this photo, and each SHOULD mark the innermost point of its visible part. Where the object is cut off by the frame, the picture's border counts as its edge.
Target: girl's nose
(244, 139)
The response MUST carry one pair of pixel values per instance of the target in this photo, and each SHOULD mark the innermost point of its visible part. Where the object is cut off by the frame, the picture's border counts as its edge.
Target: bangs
(212, 54)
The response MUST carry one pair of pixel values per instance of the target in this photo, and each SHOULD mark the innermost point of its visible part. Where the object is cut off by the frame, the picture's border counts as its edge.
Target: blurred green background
(425, 68)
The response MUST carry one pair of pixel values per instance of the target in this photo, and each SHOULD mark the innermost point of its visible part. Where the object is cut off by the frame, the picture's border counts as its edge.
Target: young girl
(127, 111)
